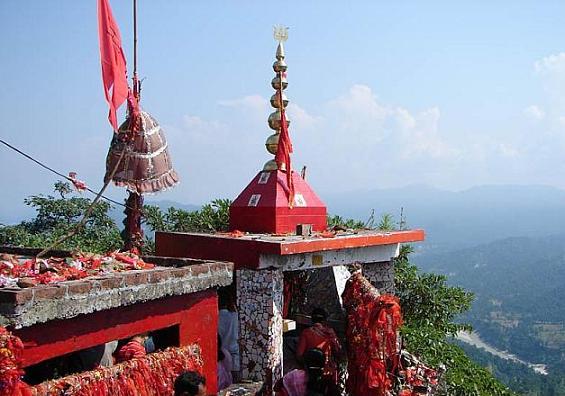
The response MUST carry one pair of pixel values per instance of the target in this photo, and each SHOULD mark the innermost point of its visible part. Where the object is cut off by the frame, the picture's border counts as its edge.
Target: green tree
(430, 308)
(56, 217)
(338, 221)
(212, 217)
(386, 223)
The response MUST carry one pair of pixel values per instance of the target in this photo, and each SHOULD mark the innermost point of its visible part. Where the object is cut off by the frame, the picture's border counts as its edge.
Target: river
(474, 339)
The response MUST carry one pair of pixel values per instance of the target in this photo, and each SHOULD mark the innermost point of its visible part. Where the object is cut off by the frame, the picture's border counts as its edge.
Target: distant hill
(165, 204)
(454, 220)
(519, 284)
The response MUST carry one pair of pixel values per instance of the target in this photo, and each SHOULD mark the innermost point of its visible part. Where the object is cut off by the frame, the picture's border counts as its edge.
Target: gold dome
(276, 82)
(279, 66)
(275, 100)
(271, 165)
(275, 120)
(272, 143)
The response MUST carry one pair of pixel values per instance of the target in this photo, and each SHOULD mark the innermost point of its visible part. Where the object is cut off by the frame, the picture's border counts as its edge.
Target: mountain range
(454, 220)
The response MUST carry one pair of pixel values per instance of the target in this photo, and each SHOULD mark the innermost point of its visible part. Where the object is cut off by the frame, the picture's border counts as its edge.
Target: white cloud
(359, 141)
(301, 119)
(551, 64)
(534, 112)
(392, 128)
(255, 103)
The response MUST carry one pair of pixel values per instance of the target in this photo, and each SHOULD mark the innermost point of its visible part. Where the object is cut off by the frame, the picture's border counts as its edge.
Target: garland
(11, 349)
(27, 273)
(375, 366)
(152, 375)
(373, 321)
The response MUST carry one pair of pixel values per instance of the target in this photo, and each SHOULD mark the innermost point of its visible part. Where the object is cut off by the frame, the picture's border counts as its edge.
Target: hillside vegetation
(430, 305)
(519, 284)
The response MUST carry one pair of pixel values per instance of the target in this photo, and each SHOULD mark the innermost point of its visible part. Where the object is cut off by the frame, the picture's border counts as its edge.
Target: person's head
(314, 361)
(190, 383)
(319, 315)
(226, 299)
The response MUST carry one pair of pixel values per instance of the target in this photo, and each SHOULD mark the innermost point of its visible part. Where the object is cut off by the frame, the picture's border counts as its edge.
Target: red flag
(283, 154)
(114, 69)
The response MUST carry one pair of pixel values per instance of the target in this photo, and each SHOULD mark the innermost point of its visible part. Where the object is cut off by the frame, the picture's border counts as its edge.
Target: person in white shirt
(228, 329)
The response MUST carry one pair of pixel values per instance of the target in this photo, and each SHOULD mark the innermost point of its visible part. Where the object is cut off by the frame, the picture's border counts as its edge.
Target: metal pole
(133, 233)
(135, 83)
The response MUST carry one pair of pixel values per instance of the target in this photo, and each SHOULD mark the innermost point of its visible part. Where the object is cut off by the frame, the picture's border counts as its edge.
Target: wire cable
(56, 172)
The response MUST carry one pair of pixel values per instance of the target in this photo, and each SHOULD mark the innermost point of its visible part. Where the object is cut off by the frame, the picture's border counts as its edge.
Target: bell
(146, 166)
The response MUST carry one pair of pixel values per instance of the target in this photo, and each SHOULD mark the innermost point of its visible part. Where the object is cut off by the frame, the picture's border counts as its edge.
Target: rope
(89, 210)
(56, 172)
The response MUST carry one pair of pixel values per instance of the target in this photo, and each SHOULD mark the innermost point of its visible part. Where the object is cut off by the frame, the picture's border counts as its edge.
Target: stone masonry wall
(260, 299)
(63, 300)
(381, 275)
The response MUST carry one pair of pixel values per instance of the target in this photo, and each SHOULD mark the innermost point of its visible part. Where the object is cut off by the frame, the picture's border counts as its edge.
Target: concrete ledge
(26, 307)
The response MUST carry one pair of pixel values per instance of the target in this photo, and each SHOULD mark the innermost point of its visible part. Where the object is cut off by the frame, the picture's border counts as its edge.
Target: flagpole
(133, 233)
(135, 81)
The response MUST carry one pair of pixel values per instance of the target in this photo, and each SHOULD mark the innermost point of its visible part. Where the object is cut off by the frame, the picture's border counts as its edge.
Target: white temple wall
(260, 299)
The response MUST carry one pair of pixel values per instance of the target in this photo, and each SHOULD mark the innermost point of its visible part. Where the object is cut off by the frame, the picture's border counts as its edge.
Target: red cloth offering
(132, 350)
(284, 150)
(324, 338)
(373, 321)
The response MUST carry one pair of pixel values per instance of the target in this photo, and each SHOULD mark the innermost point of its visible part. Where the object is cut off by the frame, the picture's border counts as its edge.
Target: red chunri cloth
(132, 350)
(151, 375)
(372, 324)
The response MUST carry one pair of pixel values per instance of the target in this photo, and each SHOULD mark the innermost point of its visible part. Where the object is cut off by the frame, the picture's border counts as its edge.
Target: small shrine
(173, 299)
(278, 226)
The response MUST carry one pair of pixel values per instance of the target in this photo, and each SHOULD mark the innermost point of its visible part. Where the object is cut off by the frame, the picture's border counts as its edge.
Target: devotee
(134, 349)
(107, 359)
(91, 358)
(320, 335)
(225, 378)
(308, 381)
(190, 383)
(228, 328)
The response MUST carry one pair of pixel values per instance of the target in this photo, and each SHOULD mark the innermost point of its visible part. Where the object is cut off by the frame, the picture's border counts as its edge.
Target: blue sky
(383, 94)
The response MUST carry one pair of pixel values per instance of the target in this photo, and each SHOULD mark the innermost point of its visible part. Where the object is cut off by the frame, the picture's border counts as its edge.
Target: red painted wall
(196, 315)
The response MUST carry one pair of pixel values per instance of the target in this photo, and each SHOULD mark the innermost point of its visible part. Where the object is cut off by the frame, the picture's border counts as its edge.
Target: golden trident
(280, 33)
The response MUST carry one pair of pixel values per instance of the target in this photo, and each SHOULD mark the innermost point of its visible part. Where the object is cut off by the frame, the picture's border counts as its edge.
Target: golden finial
(279, 99)
(280, 33)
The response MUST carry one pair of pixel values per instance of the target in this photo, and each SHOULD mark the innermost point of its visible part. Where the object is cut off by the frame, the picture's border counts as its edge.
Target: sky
(382, 94)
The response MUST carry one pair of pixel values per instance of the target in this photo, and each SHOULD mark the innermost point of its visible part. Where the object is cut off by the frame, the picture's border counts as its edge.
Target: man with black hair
(321, 336)
(190, 383)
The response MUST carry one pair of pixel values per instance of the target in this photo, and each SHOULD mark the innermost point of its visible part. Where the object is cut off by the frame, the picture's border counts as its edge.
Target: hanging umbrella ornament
(138, 158)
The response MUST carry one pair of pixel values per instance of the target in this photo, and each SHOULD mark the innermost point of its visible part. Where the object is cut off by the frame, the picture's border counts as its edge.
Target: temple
(271, 241)
(278, 260)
